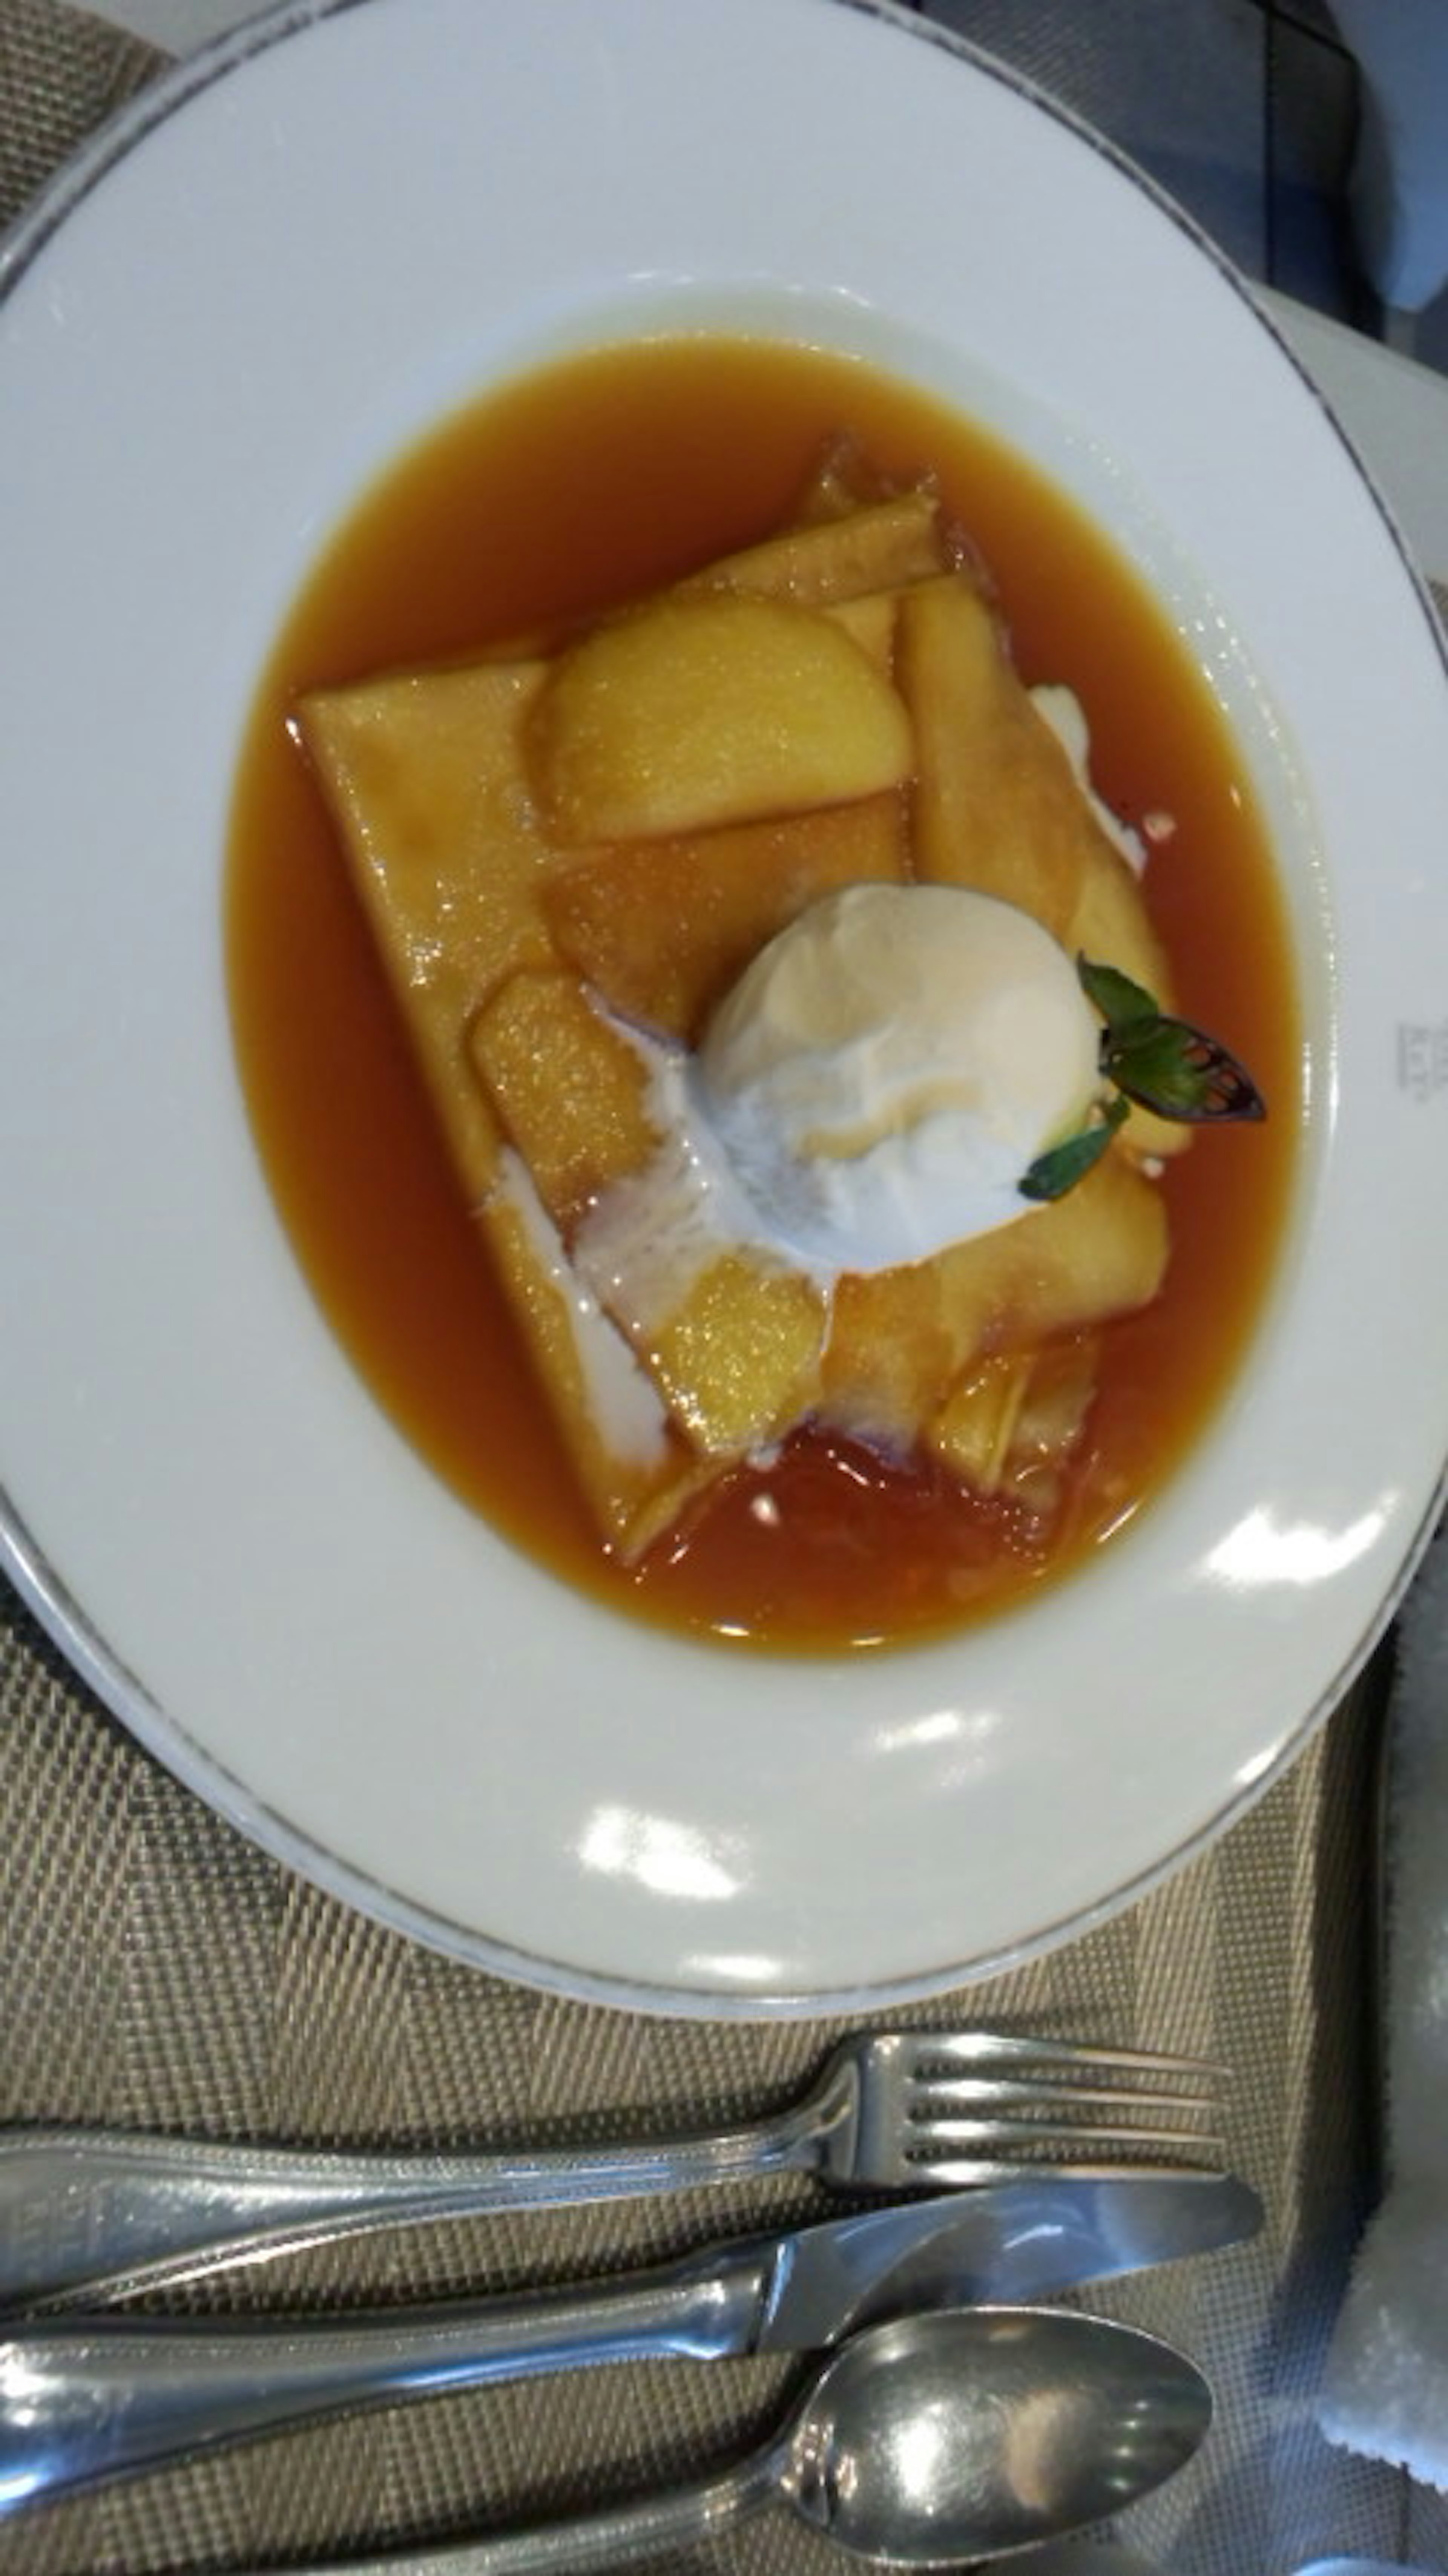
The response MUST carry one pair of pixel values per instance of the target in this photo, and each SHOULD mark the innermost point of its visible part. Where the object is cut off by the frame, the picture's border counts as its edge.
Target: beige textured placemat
(156, 1970)
(60, 74)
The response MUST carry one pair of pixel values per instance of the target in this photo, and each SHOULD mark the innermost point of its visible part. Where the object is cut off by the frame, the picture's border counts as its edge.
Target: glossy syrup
(570, 491)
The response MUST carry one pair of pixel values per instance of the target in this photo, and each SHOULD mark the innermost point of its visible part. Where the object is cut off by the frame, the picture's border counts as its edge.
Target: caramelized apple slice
(845, 478)
(663, 928)
(880, 547)
(634, 1470)
(975, 1426)
(731, 1340)
(569, 1088)
(902, 1340)
(996, 805)
(738, 1358)
(707, 710)
(1099, 1251)
(898, 1340)
(870, 622)
(1012, 1423)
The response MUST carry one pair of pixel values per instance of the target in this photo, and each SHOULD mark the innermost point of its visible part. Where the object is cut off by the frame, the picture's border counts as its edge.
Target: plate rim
(65, 1618)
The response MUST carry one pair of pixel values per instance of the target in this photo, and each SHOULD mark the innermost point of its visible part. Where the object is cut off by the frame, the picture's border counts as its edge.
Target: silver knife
(86, 2399)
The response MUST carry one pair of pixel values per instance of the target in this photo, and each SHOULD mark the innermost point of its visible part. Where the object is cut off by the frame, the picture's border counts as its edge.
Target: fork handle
(99, 2397)
(91, 2211)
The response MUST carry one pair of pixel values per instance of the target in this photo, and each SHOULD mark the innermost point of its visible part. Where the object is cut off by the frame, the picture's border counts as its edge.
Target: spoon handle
(622, 2535)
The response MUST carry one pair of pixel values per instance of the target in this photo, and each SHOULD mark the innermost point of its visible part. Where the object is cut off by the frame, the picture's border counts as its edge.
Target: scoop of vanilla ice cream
(885, 1071)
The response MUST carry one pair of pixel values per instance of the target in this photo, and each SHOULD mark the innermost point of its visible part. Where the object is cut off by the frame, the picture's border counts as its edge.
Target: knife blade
(87, 2399)
(1008, 2243)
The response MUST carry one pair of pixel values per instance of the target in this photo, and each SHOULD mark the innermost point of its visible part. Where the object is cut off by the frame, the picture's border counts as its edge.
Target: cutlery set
(1034, 2166)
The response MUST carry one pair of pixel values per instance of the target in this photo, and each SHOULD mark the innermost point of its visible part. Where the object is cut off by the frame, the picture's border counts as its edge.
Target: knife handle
(88, 2399)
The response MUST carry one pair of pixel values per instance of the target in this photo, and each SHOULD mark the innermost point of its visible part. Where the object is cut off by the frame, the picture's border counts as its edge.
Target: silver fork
(101, 2210)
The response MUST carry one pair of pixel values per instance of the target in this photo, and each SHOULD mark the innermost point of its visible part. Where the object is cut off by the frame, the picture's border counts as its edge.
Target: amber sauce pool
(572, 490)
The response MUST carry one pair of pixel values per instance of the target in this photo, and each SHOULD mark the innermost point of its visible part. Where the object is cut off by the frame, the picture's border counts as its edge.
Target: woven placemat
(157, 1970)
(60, 74)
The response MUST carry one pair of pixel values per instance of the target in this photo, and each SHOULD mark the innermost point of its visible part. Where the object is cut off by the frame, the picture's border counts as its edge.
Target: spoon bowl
(982, 2431)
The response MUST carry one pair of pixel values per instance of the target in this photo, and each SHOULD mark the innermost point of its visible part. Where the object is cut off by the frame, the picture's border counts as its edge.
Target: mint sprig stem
(1164, 1063)
(1150, 1057)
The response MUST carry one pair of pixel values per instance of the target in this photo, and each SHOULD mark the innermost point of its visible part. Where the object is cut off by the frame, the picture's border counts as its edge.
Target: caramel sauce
(573, 489)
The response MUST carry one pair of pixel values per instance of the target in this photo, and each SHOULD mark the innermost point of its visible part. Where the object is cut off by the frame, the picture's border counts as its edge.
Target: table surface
(157, 1971)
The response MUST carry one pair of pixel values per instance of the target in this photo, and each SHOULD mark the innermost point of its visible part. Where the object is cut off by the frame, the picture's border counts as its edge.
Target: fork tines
(995, 2094)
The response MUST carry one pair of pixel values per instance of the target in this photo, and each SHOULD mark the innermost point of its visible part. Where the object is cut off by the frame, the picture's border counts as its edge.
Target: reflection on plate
(386, 207)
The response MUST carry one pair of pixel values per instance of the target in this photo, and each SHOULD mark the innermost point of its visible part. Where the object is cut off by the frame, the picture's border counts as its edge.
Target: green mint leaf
(1165, 1064)
(1178, 1071)
(1058, 1170)
(1118, 1000)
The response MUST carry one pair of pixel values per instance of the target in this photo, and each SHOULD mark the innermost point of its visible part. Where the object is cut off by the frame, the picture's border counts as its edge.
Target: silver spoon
(960, 2435)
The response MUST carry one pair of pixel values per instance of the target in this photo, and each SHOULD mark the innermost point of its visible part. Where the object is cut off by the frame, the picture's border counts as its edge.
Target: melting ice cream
(885, 1071)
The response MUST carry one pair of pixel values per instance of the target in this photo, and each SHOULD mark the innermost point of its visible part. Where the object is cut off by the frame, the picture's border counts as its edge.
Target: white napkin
(1400, 177)
(1385, 2389)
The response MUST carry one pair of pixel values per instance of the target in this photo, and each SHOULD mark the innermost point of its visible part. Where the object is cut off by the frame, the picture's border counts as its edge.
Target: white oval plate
(272, 273)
